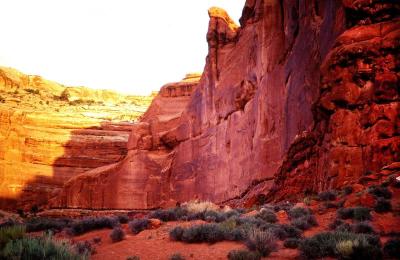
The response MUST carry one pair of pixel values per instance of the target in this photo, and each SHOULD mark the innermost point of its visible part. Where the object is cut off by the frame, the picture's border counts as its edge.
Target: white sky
(127, 45)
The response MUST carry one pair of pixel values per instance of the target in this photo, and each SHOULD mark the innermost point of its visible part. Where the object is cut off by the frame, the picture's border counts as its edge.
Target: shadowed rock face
(45, 139)
(302, 97)
(141, 179)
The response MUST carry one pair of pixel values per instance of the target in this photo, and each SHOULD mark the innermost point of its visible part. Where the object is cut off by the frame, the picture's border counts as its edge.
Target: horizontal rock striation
(141, 179)
(44, 140)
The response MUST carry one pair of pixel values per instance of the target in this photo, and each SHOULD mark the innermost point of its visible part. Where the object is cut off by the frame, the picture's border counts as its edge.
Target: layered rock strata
(141, 179)
(45, 140)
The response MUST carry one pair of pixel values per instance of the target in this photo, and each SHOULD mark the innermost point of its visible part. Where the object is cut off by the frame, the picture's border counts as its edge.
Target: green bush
(138, 225)
(243, 255)
(342, 245)
(263, 242)
(392, 248)
(356, 213)
(117, 234)
(39, 248)
(9, 233)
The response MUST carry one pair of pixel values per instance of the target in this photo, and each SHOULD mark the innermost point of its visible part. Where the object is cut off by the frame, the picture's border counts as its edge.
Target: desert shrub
(342, 245)
(284, 205)
(2, 99)
(263, 242)
(340, 225)
(249, 222)
(123, 218)
(97, 240)
(243, 255)
(327, 196)
(32, 91)
(210, 233)
(291, 243)
(176, 256)
(172, 214)
(82, 226)
(84, 248)
(299, 212)
(134, 257)
(267, 215)
(347, 190)
(363, 227)
(380, 191)
(304, 223)
(277, 230)
(231, 230)
(39, 248)
(330, 205)
(291, 231)
(382, 205)
(138, 225)
(356, 213)
(9, 233)
(392, 248)
(40, 224)
(34, 209)
(117, 234)
(176, 233)
(200, 206)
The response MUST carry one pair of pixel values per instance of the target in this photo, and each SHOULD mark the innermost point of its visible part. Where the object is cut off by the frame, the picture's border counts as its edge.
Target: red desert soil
(155, 244)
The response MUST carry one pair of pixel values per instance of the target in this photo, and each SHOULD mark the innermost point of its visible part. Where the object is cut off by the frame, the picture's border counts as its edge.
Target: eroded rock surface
(302, 97)
(141, 179)
(356, 130)
(45, 140)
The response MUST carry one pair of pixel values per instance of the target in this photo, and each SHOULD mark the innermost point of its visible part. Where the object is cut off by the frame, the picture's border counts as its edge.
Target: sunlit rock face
(302, 97)
(255, 96)
(47, 136)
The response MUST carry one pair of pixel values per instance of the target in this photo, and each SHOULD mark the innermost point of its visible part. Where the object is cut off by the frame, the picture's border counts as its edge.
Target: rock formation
(302, 97)
(141, 179)
(45, 140)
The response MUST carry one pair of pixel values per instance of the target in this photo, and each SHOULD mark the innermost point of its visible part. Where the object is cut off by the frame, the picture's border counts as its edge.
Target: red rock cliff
(303, 96)
(45, 140)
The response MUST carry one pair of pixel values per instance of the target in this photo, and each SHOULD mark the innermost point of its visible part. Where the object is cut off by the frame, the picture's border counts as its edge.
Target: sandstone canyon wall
(45, 140)
(141, 179)
(302, 97)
